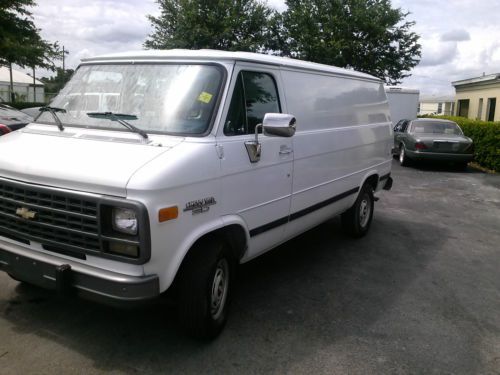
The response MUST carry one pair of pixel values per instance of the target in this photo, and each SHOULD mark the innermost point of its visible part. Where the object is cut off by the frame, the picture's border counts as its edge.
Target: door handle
(285, 150)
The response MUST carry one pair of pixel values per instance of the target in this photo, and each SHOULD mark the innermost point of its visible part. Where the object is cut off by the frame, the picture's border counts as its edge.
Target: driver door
(258, 191)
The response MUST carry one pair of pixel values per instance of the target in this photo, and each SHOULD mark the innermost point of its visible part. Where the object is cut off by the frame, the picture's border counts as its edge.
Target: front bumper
(439, 156)
(69, 277)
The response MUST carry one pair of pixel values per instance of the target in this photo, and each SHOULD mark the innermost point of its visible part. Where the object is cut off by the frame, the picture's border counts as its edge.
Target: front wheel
(204, 289)
(356, 221)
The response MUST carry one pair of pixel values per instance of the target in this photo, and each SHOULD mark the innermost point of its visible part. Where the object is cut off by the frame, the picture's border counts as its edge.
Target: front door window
(255, 94)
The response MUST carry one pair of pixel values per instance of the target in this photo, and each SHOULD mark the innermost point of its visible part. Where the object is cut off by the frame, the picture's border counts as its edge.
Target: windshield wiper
(121, 119)
(52, 111)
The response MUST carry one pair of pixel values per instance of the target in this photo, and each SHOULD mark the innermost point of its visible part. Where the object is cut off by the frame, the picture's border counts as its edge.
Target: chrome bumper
(416, 155)
(69, 278)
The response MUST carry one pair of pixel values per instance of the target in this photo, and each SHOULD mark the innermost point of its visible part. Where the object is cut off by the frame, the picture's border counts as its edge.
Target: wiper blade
(121, 119)
(52, 111)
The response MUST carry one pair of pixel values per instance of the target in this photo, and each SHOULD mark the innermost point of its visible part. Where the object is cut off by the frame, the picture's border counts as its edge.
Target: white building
(25, 87)
(436, 105)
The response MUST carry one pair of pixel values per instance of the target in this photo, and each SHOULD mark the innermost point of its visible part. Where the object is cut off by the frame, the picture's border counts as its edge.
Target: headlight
(124, 220)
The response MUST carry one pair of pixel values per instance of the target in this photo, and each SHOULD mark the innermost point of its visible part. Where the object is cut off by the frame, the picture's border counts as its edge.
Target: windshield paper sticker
(205, 97)
(200, 205)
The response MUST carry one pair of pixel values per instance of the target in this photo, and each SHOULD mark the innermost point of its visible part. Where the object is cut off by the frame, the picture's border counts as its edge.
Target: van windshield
(161, 98)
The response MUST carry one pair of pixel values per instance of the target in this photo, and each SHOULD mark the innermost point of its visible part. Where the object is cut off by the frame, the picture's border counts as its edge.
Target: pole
(34, 86)
(12, 96)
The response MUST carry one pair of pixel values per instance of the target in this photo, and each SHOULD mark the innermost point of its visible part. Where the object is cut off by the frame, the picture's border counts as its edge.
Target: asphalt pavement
(419, 294)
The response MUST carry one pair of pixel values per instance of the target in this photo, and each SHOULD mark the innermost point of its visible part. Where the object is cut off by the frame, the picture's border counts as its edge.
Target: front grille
(60, 219)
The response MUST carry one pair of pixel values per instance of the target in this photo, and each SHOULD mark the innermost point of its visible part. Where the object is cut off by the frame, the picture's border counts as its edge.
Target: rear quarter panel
(344, 134)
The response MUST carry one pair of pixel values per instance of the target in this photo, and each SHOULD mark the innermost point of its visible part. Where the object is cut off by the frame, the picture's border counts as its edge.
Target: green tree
(55, 83)
(20, 40)
(218, 24)
(367, 35)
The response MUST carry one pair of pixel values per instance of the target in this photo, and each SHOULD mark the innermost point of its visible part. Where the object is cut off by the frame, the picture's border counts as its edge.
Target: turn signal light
(420, 146)
(168, 213)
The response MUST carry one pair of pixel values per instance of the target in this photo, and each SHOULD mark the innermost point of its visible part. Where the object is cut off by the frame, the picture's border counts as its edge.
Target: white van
(209, 159)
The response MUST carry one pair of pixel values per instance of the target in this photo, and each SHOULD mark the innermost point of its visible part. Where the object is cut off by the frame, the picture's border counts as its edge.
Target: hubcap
(219, 289)
(402, 155)
(364, 212)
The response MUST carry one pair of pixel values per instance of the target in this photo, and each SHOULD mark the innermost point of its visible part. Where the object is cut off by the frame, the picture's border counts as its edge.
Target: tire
(356, 220)
(204, 289)
(403, 159)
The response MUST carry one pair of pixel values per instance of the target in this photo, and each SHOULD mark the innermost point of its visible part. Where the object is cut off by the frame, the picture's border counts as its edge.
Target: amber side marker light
(168, 213)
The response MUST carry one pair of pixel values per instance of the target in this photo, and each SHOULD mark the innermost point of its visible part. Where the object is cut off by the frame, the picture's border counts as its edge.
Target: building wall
(431, 108)
(474, 94)
(25, 93)
(428, 108)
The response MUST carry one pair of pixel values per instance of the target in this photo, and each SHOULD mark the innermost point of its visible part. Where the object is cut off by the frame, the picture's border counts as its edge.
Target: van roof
(208, 54)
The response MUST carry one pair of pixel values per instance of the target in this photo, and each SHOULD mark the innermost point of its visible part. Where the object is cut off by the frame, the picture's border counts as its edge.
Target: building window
(463, 108)
(440, 108)
(480, 109)
(490, 109)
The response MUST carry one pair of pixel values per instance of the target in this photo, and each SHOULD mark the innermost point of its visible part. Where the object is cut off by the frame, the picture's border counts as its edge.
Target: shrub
(486, 137)
(22, 105)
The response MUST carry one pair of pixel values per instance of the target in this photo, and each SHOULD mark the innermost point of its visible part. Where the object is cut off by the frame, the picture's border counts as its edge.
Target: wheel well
(372, 181)
(235, 237)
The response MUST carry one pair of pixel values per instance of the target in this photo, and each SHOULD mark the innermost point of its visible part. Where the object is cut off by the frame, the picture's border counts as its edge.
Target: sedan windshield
(435, 127)
(162, 98)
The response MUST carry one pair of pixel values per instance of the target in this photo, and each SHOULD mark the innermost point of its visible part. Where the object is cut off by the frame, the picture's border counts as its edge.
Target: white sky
(460, 38)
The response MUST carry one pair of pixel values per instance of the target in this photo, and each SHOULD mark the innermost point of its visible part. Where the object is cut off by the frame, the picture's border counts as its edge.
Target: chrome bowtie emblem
(25, 213)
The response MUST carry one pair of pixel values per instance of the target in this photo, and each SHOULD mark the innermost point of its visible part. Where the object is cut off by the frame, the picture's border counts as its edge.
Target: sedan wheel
(403, 159)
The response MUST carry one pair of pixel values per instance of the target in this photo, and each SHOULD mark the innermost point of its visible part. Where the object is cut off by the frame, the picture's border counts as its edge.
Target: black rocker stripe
(298, 214)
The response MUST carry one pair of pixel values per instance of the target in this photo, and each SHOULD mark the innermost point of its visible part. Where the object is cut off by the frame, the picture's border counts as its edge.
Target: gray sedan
(432, 139)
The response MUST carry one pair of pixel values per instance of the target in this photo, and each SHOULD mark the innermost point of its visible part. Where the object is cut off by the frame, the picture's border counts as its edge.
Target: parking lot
(419, 294)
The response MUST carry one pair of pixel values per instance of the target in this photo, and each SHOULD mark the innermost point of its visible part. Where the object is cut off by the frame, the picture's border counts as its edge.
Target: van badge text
(200, 205)
(25, 213)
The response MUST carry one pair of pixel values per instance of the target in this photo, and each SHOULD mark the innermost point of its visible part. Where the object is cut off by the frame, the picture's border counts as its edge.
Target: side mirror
(279, 124)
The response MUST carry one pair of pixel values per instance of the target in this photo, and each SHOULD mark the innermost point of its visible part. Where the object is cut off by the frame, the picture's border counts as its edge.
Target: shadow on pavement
(311, 292)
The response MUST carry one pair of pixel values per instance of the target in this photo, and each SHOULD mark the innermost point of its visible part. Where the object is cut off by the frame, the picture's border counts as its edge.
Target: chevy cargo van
(162, 170)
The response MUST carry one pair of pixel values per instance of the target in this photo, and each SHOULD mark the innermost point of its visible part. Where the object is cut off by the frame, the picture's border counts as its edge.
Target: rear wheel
(204, 289)
(462, 165)
(403, 159)
(356, 221)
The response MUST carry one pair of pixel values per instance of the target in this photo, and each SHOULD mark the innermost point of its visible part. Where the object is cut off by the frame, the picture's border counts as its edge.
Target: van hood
(99, 162)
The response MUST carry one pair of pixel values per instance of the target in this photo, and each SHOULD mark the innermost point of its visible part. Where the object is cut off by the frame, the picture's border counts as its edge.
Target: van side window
(255, 94)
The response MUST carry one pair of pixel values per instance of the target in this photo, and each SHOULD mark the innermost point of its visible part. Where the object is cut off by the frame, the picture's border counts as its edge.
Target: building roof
(204, 54)
(490, 78)
(17, 77)
(403, 90)
(436, 99)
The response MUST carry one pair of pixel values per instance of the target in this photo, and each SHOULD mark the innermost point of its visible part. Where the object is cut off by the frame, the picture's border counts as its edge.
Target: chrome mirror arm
(254, 147)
